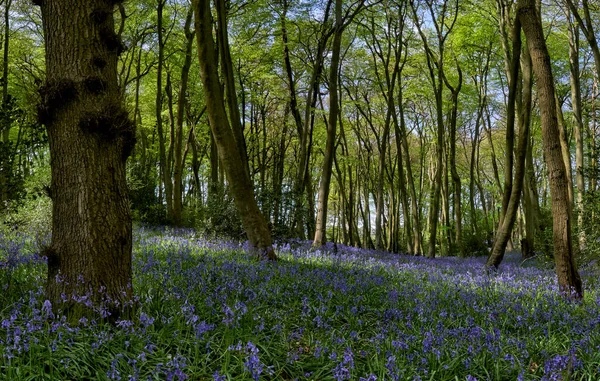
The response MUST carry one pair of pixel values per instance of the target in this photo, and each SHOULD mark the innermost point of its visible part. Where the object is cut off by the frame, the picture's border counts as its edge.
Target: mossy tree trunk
(231, 155)
(90, 136)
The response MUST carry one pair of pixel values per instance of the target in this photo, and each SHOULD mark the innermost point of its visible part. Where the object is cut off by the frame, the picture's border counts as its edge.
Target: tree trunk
(165, 167)
(235, 119)
(320, 236)
(530, 203)
(5, 122)
(90, 137)
(587, 26)
(278, 171)
(507, 220)
(435, 65)
(455, 91)
(566, 270)
(231, 155)
(181, 105)
(578, 122)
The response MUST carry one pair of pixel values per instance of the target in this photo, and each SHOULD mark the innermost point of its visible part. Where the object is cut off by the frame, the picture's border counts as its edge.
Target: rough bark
(566, 270)
(90, 137)
(231, 156)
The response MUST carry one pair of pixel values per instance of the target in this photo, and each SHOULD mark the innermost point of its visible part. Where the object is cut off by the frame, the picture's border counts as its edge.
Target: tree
(340, 24)
(435, 64)
(566, 270)
(91, 137)
(181, 107)
(230, 152)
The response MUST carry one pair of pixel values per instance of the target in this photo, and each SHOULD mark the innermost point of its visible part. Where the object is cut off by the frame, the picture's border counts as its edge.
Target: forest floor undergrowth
(208, 311)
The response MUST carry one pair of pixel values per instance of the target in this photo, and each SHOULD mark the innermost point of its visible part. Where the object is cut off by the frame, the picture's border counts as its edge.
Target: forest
(299, 190)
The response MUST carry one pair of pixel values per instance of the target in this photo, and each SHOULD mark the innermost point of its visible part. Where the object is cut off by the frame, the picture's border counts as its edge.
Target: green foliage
(219, 218)
(145, 205)
(474, 245)
(544, 243)
(32, 213)
(591, 228)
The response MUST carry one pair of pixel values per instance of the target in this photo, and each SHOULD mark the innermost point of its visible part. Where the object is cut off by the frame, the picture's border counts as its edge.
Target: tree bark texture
(90, 137)
(566, 270)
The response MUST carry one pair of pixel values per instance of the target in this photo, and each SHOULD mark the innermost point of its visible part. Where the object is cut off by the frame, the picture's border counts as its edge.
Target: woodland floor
(210, 312)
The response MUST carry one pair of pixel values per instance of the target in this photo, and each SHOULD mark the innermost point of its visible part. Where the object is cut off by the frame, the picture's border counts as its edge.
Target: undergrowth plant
(210, 312)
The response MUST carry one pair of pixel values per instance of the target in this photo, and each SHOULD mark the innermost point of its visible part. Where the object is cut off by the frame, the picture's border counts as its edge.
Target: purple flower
(370, 377)
(253, 364)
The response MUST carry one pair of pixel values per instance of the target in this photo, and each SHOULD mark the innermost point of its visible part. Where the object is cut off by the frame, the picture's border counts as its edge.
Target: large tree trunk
(566, 270)
(231, 154)
(90, 137)
(235, 119)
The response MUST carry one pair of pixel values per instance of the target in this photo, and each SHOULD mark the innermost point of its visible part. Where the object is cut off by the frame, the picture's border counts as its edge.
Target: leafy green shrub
(474, 245)
(590, 227)
(220, 218)
(33, 213)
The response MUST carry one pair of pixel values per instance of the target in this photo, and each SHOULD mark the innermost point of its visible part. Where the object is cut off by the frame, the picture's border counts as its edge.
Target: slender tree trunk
(302, 173)
(279, 171)
(587, 26)
(165, 168)
(5, 122)
(578, 123)
(181, 106)
(320, 235)
(472, 163)
(435, 64)
(5, 127)
(231, 155)
(566, 152)
(506, 222)
(455, 91)
(415, 213)
(593, 131)
(90, 138)
(530, 203)
(566, 269)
